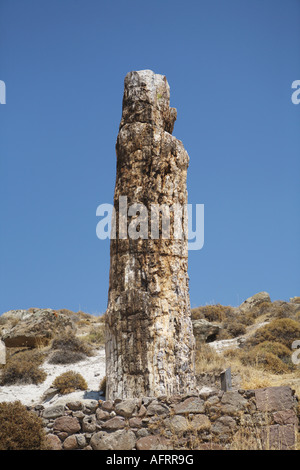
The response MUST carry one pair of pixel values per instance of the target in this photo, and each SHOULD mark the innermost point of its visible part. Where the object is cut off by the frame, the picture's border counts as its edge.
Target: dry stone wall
(255, 419)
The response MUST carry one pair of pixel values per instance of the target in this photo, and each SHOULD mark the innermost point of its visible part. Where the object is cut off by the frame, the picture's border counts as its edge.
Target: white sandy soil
(92, 370)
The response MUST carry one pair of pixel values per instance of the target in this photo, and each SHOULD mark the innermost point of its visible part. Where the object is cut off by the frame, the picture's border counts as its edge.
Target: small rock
(224, 426)
(156, 408)
(81, 440)
(135, 422)
(177, 424)
(153, 443)
(102, 415)
(127, 407)
(119, 440)
(89, 424)
(190, 405)
(66, 424)
(114, 423)
(53, 412)
(70, 443)
(74, 405)
(53, 442)
(200, 423)
(107, 405)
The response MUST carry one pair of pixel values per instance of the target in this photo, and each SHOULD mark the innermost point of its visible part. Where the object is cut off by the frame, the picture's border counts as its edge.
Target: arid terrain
(254, 340)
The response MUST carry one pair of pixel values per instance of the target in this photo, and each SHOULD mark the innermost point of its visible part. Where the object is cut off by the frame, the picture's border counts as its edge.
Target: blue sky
(230, 65)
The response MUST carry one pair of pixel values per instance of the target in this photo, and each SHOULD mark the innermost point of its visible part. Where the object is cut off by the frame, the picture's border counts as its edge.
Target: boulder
(53, 442)
(154, 443)
(274, 398)
(120, 440)
(127, 407)
(255, 300)
(205, 331)
(278, 437)
(66, 424)
(31, 329)
(115, 423)
(70, 443)
(190, 405)
(53, 412)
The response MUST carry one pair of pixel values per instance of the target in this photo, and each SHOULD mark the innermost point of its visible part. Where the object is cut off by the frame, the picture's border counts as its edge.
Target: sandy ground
(92, 369)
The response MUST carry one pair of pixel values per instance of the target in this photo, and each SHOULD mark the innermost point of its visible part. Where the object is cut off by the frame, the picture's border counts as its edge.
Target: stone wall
(244, 419)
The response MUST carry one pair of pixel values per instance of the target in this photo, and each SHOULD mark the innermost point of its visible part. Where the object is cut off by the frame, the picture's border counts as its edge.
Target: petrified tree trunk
(149, 337)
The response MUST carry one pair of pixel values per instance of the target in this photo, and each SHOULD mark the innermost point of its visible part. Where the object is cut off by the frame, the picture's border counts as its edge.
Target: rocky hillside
(255, 340)
(43, 344)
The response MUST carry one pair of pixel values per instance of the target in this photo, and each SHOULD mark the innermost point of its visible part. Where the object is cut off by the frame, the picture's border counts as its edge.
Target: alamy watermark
(296, 353)
(159, 221)
(296, 94)
(2, 92)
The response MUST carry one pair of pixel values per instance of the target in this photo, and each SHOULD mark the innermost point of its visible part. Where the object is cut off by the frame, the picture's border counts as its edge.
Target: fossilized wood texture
(149, 336)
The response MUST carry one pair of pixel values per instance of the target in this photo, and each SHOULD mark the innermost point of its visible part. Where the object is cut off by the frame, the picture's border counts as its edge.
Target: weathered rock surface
(274, 398)
(119, 440)
(205, 331)
(295, 300)
(31, 329)
(149, 335)
(256, 299)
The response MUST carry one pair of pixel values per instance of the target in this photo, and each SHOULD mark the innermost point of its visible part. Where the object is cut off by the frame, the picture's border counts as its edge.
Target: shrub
(23, 368)
(280, 350)
(264, 360)
(3, 320)
(67, 341)
(69, 382)
(97, 335)
(277, 309)
(281, 330)
(235, 329)
(102, 387)
(20, 429)
(277, 349)
(66, 357)
(213, 313)
(208, 360)
(261, 309)
(65, 311)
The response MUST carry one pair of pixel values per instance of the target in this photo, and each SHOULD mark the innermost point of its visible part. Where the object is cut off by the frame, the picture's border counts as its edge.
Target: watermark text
(2, 92)
(158, 221)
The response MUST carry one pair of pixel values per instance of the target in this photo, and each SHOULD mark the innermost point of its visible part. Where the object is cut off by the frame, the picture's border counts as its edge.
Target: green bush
(24, 368)
(20, 429)
(69, 381)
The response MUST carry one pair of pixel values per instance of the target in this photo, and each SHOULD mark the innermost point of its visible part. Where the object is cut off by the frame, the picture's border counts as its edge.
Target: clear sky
(230, 65)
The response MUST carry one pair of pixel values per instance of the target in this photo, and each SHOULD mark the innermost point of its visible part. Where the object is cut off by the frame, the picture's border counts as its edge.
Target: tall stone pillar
(149, 336)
